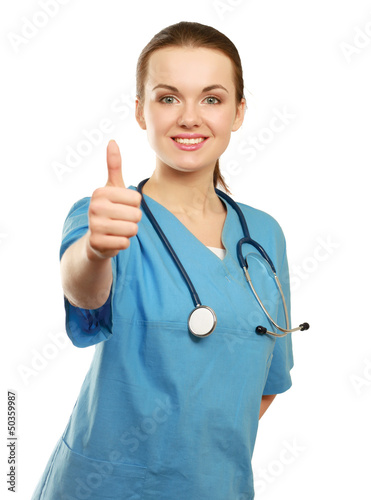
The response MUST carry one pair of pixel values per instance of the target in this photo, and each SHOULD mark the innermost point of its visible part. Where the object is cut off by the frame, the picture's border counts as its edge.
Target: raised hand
(114, 211)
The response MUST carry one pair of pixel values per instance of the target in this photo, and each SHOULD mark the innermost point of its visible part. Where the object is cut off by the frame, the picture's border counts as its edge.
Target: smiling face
(189, 92)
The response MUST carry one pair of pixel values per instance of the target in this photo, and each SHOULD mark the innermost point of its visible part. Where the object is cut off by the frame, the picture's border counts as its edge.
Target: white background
(308, 60)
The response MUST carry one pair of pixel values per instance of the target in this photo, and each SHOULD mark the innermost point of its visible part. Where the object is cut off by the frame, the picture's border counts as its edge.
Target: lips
(189, 136)
(189, 144)
(189, 139)
(193, 140)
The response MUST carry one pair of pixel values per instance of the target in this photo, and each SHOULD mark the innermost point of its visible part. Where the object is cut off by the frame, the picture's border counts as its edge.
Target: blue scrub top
(163, 415)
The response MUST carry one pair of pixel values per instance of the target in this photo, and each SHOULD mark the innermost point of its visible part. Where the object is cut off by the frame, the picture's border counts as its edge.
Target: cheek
(158, 122)
(221, 120)
(229, 119)
(158, 127)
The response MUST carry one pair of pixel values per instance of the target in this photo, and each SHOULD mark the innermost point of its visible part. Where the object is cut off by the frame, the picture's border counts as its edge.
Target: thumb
(114, 165)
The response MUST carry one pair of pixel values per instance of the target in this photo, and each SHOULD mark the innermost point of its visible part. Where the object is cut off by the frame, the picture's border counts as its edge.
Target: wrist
(91, 254)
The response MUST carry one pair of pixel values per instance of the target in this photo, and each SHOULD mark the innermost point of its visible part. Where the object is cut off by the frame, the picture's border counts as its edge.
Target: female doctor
(169, 409)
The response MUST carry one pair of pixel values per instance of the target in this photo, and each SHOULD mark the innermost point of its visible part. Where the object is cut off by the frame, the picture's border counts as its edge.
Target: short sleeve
(279, 378)
(85, 327)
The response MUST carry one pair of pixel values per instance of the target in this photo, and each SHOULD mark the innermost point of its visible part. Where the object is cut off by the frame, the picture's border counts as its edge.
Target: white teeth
(189, 141)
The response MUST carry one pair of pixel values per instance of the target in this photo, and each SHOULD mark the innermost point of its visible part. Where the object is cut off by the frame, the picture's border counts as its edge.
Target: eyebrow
(206, 89)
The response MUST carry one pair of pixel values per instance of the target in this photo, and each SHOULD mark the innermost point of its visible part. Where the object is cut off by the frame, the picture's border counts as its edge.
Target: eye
(215, 99)
(166, 101)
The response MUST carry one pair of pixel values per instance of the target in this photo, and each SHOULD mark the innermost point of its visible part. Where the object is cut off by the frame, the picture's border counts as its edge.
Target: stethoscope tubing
(195, 297)
(261, 329)
(247, 238)
(243, 263)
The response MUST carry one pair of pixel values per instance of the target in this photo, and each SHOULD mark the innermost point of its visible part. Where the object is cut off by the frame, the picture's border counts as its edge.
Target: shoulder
(80, 205)
(79, 208)
(258, 219)
(77, 215)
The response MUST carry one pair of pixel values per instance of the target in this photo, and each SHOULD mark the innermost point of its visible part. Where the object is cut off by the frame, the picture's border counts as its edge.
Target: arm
(86, 280)
(266, 401)
(114, 212)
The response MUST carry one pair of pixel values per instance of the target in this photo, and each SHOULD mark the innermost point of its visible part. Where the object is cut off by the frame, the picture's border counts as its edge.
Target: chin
(188, 168)
(185, 166)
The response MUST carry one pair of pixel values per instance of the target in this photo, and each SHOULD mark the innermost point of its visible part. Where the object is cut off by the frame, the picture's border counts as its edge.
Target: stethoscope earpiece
(261, 330)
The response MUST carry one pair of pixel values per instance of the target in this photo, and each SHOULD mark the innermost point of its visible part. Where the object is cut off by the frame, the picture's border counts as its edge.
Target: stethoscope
(202, 319)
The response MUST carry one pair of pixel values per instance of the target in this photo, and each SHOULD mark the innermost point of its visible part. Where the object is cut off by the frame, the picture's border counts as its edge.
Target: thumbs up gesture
(114, 211)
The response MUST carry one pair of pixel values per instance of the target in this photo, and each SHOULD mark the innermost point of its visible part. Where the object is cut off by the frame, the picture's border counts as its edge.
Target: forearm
(265, 402)
(86, 280)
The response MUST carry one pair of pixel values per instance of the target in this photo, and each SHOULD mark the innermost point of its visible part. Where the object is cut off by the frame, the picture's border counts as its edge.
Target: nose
(189, 115)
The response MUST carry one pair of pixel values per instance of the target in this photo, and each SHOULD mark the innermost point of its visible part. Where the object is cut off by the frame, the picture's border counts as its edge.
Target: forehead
(189, 68)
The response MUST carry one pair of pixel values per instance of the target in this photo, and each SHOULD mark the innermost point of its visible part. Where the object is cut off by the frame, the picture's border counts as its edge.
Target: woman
(167, 411)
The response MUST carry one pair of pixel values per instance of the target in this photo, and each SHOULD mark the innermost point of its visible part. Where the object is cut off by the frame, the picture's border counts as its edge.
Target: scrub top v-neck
(219, 252)
(162, 414)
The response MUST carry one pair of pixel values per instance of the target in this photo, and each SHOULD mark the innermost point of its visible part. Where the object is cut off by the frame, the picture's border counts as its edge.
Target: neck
(190, 193)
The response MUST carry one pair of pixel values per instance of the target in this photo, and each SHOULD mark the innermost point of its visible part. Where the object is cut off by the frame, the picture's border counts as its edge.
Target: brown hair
(193, 35)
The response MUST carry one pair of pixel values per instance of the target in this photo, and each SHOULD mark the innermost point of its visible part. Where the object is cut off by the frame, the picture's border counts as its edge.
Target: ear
(240, 115)
(139, 114)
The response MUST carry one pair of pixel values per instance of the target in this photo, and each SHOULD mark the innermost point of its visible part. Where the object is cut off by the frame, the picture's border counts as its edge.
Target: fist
(114, 211)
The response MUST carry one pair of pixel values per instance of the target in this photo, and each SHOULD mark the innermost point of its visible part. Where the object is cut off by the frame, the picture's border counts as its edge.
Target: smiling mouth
(189, 141)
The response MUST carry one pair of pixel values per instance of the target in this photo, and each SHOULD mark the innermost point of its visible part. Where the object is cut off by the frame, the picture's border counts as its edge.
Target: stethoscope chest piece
(202, 321)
